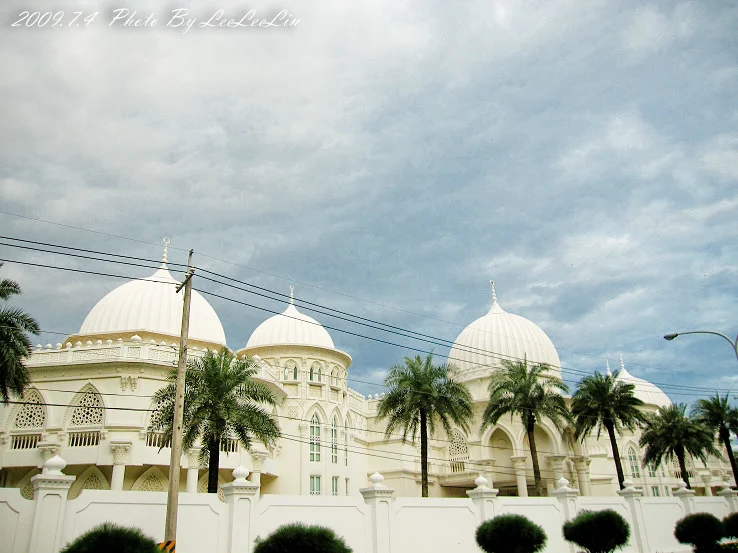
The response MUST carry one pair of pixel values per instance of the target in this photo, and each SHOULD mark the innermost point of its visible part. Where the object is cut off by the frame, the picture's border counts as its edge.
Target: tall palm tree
(671, 433)
(717, 414)
(421, 393)
(14, 344)
(602, 400)
(529, 392)
(221, 401)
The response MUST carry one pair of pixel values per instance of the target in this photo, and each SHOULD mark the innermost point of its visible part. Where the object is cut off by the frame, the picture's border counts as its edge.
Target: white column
(379, 498)
(706, 479)
(50, 491)
(581, 464)
(634, 497)
(257, 461)
(120, 459)
(193, 466)
(483, 497)
(519, 464)
(241, 496)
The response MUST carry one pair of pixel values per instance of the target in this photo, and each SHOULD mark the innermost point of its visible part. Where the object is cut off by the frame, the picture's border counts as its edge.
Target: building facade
(91, 402)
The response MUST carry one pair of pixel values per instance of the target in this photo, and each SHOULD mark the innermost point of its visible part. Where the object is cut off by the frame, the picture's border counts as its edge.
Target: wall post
(686, 496)
(730, 496)
(379, 498)
(633, 497)
(483, 499)
(241, 497)
(50, 490)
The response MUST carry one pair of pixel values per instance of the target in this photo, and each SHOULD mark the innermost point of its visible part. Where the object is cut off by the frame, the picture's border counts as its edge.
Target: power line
(489, 354)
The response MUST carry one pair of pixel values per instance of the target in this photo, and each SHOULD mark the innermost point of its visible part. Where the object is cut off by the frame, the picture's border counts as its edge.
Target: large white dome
(648, 393)
(499, 335)
(153, 306)
(290, 328)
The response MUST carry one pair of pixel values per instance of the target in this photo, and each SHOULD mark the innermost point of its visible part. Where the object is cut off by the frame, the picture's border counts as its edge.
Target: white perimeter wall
(376, 523)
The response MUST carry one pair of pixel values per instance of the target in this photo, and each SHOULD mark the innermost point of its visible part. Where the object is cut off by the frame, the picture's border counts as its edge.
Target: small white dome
(153, 305)
(293, 328)
(499, 335)
(648, 393)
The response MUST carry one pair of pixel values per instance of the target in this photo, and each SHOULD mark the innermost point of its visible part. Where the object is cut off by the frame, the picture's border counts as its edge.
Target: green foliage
(531, 393)
(111, 538)
(14, 344)
(598, 531)
(671, 433)
(702, 530)
(222, 401)
(730, 524)
(603, 400)
(420, 395)
(717, 414)
(510, 534)
(299, 538)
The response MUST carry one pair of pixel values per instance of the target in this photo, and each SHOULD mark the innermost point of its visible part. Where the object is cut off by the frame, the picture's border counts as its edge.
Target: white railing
(229, 445)
(156, 439)
(25, 441)
(84, 439)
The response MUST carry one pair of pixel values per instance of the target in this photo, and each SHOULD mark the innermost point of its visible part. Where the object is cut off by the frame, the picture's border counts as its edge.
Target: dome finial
(292, 295)
(622, 365)
(494, 296)
(164, 253)
(607, 366)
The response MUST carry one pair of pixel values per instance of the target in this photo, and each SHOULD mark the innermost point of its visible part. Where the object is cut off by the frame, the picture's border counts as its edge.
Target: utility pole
(170, 532)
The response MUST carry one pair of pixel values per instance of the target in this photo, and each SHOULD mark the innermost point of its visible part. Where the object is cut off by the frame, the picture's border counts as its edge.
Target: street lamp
(733, 343)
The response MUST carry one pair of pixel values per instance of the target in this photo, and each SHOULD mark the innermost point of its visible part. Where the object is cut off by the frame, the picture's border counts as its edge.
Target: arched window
(315, 438)
(29, 422)
(320, 376)
(87, 420)
(458, 452)
(345, 445)
(290, 371)
(311, 374)
(635, 469)
(334, 441)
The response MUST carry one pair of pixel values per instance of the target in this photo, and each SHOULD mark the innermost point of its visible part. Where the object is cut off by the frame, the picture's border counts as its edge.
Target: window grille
(315, 438)
(25, 441)
(84, 439)
(315, 485)
(334, 442)
(156, 439)
(458, 452)
(635, 470)
(88, 411)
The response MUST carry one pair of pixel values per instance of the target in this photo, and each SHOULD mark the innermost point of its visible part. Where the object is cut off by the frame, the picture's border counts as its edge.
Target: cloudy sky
(389, 159)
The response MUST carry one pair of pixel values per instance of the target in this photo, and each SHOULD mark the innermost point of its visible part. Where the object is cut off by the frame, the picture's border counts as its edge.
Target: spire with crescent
(494, 296)
(292, 295)
(607, 366)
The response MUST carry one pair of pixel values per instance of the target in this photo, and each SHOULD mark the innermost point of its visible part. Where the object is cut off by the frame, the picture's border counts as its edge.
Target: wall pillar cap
(482, 491)
(240, 473)
(682, 490)
(563, 490)
(54, 465)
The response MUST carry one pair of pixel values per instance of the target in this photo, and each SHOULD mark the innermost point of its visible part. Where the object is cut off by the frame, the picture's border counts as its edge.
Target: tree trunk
(531, 424)
(683, 466)
(423, 455)
(615, 452)
(213, 464)
(725, 439)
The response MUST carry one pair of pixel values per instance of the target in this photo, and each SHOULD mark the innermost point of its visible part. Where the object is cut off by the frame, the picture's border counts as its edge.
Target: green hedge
(598, 531)
(701, 530)
(111, 538)
(510, 534)
(299, 538)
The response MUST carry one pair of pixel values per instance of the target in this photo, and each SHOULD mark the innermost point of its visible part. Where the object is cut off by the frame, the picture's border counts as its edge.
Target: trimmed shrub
(112, 538)
(299, 538)
(510, 534)
(702, 530)
(598, 531)
(730, 524)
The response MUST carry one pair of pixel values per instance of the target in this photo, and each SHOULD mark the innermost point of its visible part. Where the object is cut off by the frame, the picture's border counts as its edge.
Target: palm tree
(421, 393)
(221, 401)
(602, 400)
(530, 393)
(717, 414)
(14, 344)
(671, 433)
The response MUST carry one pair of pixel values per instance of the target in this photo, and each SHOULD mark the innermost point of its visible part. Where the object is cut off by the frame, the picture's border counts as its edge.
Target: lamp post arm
(733, 343)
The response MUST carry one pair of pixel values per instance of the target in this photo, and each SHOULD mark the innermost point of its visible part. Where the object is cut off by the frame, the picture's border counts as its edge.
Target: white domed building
(90, 402)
